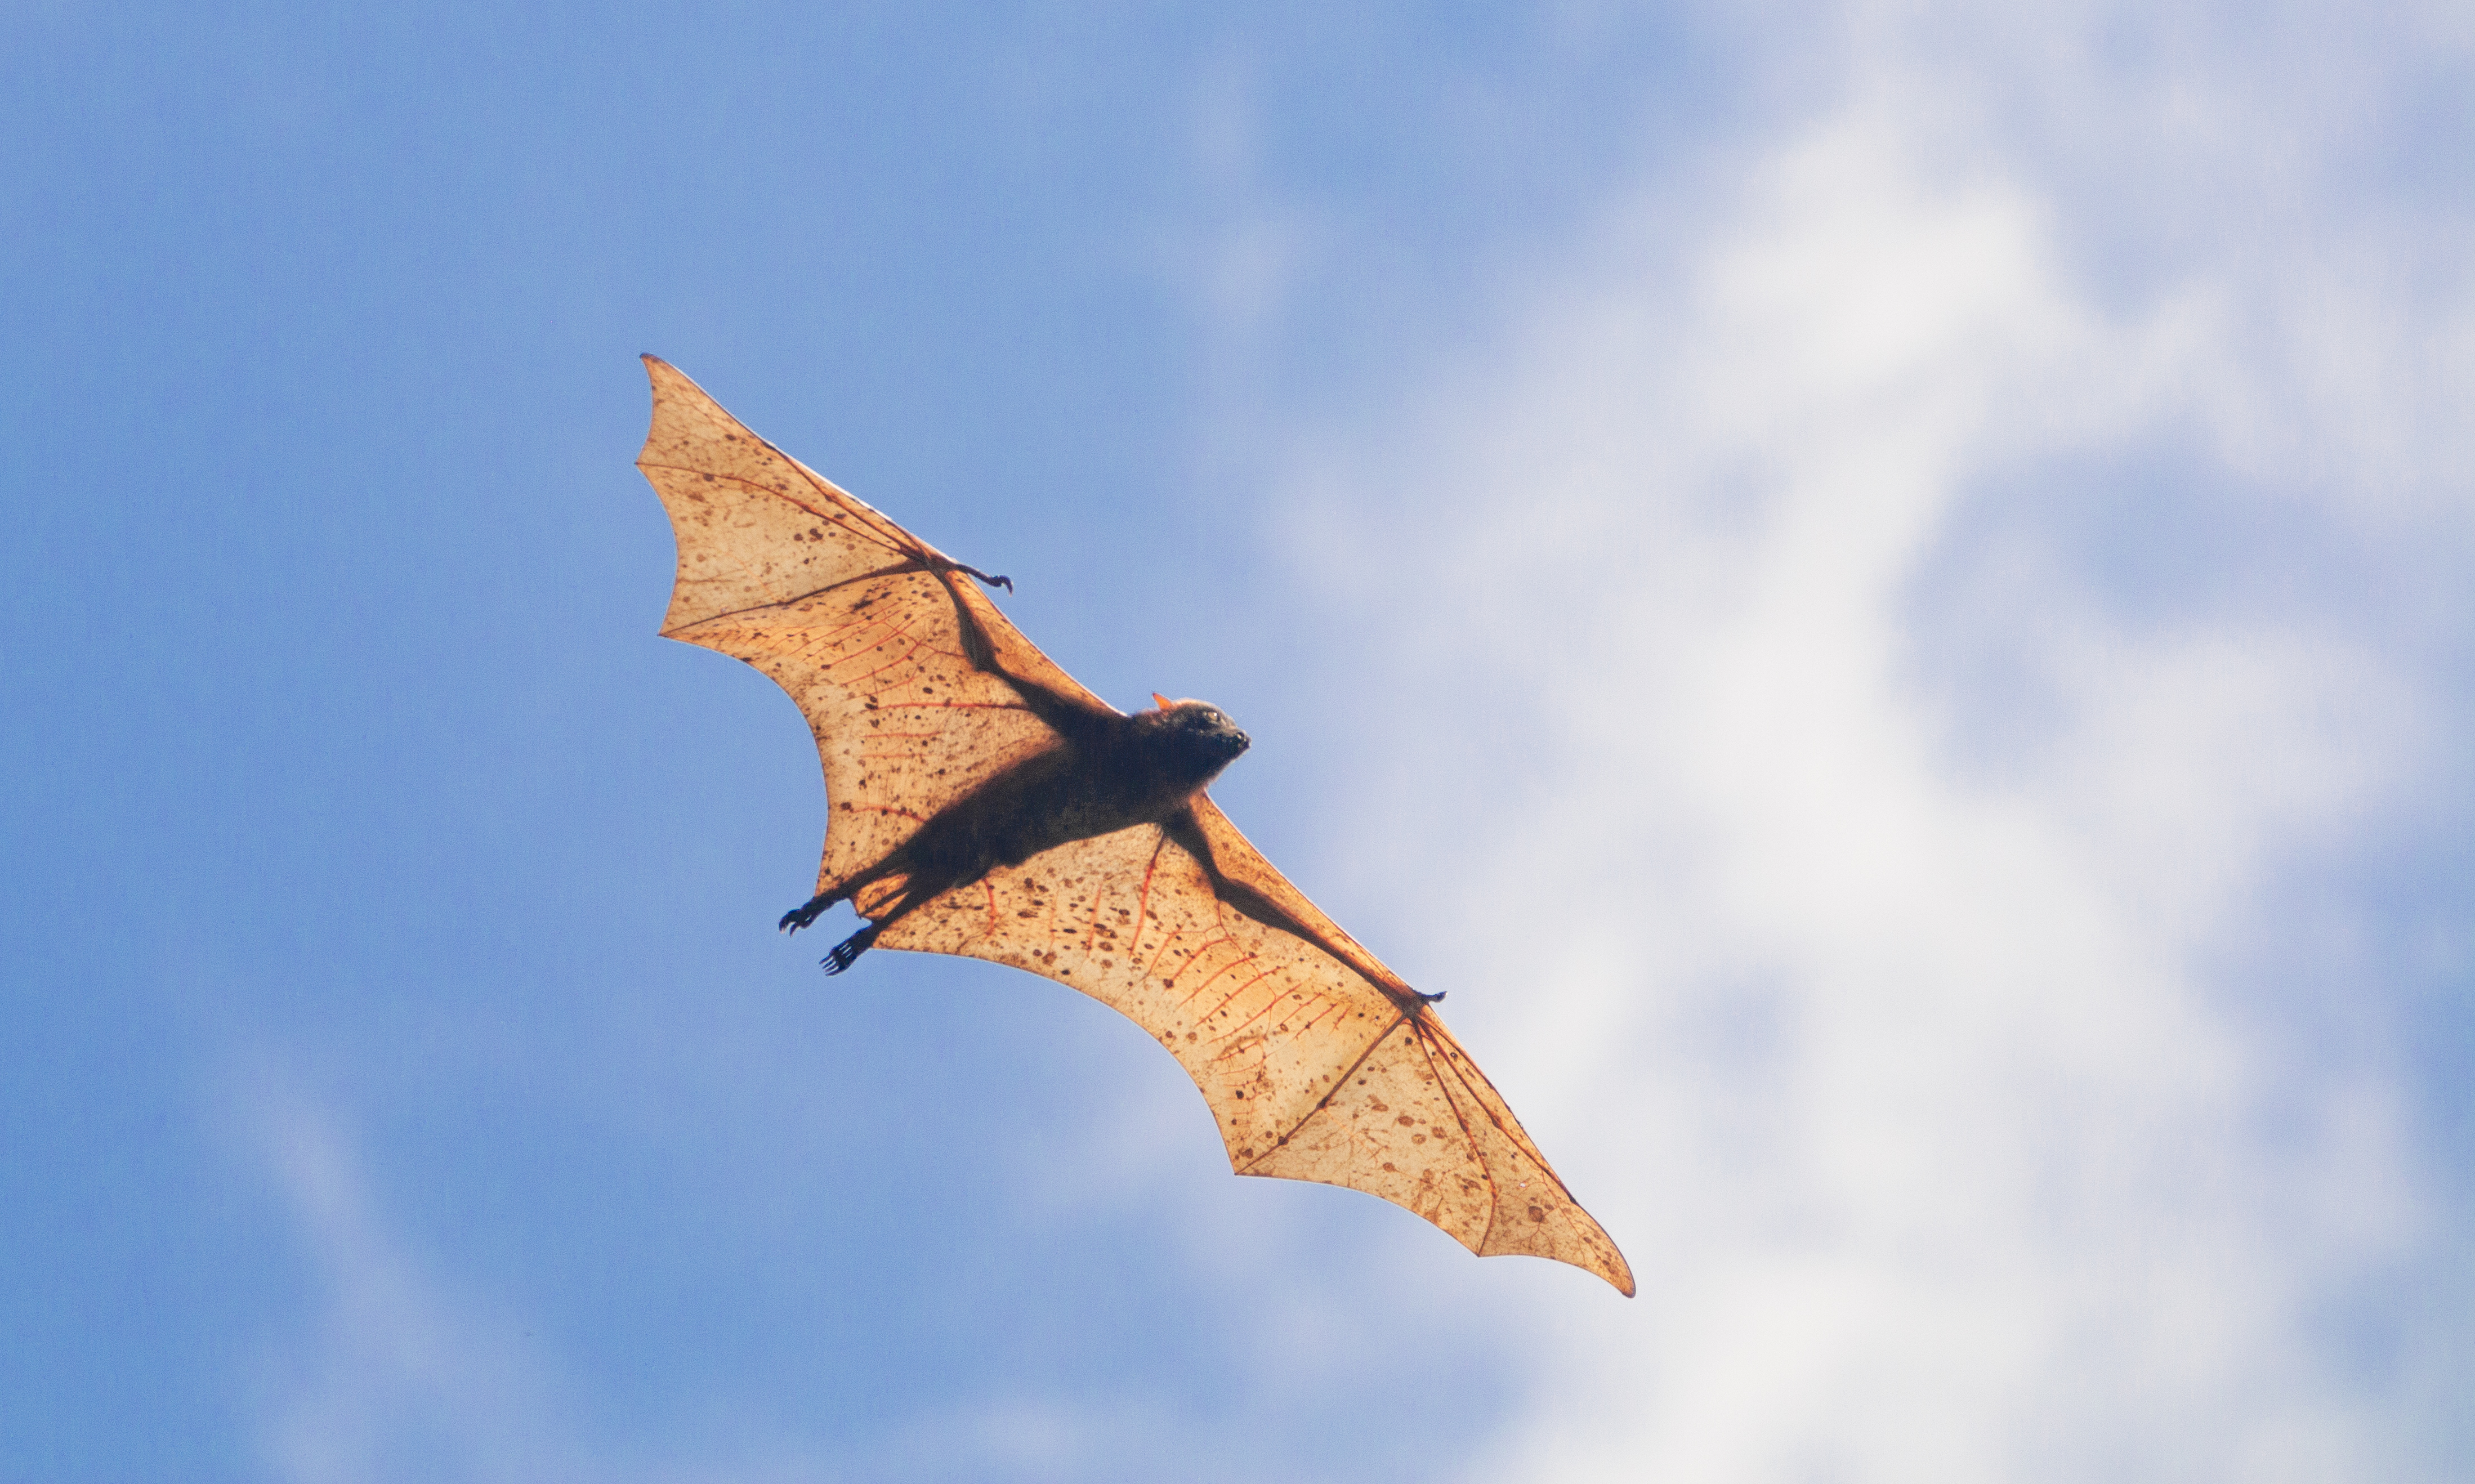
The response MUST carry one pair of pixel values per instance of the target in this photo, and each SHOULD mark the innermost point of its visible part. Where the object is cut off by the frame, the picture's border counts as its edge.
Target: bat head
(1197, 735)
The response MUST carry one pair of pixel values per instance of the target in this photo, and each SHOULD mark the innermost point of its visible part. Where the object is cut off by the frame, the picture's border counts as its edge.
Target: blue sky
(1877, 592)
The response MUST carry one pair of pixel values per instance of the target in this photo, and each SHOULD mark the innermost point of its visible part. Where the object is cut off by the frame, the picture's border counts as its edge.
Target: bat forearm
(962, 754)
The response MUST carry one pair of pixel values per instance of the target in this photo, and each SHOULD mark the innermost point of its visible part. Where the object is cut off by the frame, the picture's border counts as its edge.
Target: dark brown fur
(1108, 773)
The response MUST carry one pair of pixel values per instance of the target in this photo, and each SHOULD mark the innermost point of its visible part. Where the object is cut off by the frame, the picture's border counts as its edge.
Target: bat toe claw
(848, 951)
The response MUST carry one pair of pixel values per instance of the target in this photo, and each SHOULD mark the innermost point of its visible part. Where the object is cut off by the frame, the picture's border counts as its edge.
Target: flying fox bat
(980, 801)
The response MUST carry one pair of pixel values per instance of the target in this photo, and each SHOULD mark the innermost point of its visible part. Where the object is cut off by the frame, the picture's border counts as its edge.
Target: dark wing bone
(916, 687)
(1317, 1061)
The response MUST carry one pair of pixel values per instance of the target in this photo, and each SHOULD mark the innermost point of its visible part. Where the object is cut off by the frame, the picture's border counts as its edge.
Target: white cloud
(1945, 1139)
(1857, 893)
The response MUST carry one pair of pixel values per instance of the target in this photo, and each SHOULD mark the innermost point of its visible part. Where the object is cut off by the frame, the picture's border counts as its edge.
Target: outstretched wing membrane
(912, 683)
(1317, 1062)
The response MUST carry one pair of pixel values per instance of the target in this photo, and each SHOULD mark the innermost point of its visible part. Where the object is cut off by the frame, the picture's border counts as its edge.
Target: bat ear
(1163, 701)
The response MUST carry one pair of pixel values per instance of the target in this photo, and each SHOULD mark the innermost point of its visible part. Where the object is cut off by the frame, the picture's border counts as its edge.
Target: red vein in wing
(804, 646)
(1268, 1006)
(893, 630)
(1427, 1050)
(842, 651)
(1334, 1007)
(833, 635)
(1143, 901)
(1196, 952)
(1242, 957)
(904, 658)
(1241, 989)
(1167, 945)
(1338, 1082)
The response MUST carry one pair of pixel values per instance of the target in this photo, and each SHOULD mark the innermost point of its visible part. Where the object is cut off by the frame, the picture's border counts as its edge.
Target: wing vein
(752, 523)
(1486, 1173)
(840, 496)
(896, 570)
(1337, 1083)
(837, 515)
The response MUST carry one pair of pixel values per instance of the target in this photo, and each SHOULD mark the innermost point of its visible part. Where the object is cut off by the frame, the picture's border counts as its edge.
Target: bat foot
(848, 951)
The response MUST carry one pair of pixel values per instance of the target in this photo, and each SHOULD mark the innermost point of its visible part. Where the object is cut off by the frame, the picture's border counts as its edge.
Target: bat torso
(1107, 773)
(985, 803)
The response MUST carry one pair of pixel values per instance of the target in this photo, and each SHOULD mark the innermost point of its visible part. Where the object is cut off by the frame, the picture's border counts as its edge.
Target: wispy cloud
(1872, 785)
(400, 1376)
(401, 1373)
(1904, 889)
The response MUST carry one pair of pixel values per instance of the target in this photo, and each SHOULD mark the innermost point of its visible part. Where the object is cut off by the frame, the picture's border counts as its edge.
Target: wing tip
(1609, 1266)
(1621, 1280)
(1601, 1258)
(1593, 1251)
(674, 392)
(662, 373)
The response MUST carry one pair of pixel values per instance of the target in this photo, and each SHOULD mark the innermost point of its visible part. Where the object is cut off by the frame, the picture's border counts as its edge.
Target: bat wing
(916, 687)
(1317, 1061)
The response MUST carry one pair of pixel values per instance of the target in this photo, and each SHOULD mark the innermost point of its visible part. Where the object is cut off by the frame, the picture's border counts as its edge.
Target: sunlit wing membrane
(1312, 1070)
(1318, 1064)
(780, 568)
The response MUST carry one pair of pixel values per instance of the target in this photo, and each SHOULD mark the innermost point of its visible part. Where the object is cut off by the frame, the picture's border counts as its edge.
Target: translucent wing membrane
(1315, 1068)
(1317, 1061)
(868, 627)
(903, 724)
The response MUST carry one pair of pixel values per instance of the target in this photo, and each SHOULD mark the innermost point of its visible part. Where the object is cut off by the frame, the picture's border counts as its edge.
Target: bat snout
(1212, 734)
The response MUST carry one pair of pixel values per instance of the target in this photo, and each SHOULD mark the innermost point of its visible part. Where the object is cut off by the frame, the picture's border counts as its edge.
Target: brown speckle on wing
(853, 616)
(1317, 1062)
(1313, 1069)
